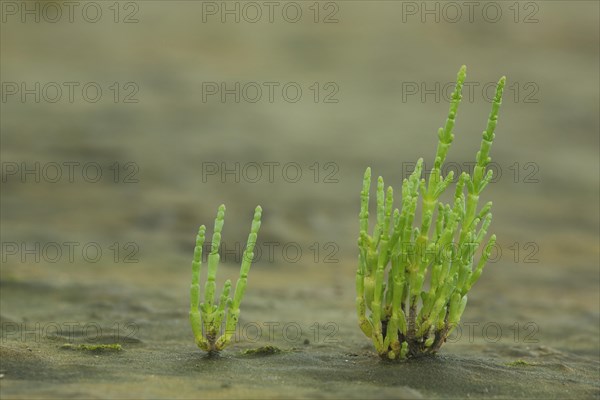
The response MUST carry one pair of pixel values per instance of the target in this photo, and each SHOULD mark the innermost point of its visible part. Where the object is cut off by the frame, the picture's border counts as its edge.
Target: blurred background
(125, 124)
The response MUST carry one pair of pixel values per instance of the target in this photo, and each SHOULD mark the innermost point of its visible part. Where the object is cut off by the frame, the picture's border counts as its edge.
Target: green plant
(407, 315)
(96, 348)
(206, 317)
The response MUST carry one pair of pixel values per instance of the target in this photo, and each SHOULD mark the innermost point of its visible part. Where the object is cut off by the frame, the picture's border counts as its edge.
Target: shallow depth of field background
(373, 82)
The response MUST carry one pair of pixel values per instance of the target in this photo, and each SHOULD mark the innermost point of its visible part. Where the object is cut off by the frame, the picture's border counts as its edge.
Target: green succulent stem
(412, 281)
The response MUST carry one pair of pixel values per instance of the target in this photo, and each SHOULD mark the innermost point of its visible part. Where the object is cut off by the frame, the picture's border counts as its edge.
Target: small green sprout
(521, 363)
(206, 317)
(95, 348)
(408, 315)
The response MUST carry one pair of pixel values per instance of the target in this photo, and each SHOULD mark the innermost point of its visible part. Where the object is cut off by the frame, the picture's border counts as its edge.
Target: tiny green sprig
(398, 313)
(206, 318)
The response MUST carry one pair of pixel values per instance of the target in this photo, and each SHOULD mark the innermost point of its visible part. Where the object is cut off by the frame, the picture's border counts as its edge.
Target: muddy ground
(531, 328)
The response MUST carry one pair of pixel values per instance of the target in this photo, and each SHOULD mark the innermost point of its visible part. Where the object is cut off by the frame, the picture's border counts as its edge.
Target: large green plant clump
(414, 275)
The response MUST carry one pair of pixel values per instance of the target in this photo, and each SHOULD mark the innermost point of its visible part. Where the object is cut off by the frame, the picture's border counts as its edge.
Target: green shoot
(207, 318)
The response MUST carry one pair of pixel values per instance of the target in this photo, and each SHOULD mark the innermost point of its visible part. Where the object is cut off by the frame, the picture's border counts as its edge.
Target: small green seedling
(95, 348)
(521, 363)
(206, 317)
(410, 315)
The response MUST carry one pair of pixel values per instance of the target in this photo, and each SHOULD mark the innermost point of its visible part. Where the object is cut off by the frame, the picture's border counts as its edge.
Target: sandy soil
(547, 359)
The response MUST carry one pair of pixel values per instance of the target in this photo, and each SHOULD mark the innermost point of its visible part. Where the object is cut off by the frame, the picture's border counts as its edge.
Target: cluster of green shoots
(207, 317)
(409, 315)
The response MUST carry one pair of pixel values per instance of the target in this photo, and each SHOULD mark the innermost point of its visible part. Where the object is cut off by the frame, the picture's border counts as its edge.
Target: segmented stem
(195, 318)
(240, 286)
